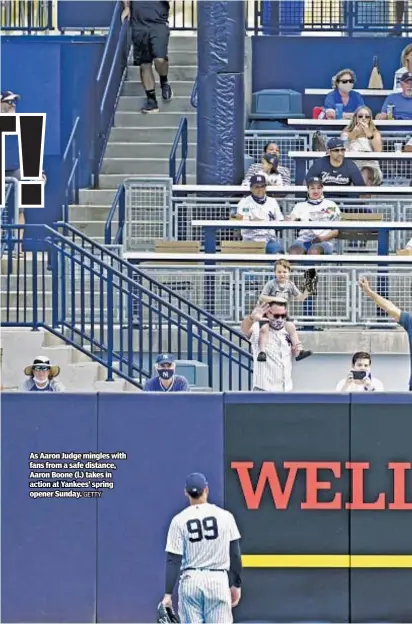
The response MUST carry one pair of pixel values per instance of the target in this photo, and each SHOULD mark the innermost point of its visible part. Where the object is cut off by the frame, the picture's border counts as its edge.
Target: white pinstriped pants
(204, 597)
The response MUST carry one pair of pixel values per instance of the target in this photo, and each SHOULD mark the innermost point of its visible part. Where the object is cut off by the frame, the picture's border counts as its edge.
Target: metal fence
(394, 172)
(186, 211)
(148, 206)
(230, 292)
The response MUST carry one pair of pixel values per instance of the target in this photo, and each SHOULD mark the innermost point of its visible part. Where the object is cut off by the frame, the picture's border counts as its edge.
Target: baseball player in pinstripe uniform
(203, 547)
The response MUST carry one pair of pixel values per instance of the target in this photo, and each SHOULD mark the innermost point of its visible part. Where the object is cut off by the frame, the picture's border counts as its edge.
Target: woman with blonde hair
(343, 94)
(363, 136)
(406, 66)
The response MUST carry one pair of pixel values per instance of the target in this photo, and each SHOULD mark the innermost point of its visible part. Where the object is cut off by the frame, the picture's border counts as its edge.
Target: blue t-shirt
(402, 104)
(47, 388)
(334, 97)
(347, 174)
(180, 384)
(406, 322)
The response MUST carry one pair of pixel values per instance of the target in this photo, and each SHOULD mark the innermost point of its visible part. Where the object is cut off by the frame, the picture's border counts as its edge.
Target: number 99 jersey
(202, 535)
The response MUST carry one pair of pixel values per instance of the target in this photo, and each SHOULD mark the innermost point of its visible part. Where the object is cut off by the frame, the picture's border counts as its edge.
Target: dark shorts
(149, 42)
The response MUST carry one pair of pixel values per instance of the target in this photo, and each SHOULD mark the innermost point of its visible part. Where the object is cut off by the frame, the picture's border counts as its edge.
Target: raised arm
(257, 314)
(383, 303)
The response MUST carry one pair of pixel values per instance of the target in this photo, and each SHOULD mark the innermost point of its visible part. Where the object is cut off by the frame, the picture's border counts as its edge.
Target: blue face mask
(165, 373)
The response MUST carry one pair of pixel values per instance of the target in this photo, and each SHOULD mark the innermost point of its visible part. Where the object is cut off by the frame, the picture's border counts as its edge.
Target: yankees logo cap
(195, 483)
(258, 180)
(165, 358)
(335, 143)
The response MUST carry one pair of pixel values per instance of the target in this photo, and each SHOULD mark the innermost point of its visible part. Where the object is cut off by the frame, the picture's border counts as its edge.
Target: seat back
(353, 235)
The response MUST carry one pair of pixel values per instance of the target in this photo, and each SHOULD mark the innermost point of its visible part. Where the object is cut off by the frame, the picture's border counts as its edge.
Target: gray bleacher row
(151, 218)
(230, 292)
(394, 172)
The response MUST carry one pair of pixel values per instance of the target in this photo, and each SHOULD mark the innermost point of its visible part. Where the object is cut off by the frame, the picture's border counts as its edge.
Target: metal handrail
(109, 81)
(181, 135)
(166, 292)
(122, 292)
(73, 150)
(120, 203)
(193, 97)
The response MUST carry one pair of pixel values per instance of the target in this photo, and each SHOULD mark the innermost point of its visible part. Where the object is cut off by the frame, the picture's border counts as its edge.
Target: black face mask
(259, 200)
(165, 373)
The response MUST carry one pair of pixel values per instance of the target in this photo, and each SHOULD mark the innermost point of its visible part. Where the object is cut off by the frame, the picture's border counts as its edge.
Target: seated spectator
(42, 376)
(406, 66)
(315, 208)
(259, 207)
(268, 167)
(343, 94)
(166, 379)
(363, 136)
(270, 148)
(359, 378)
(401, 102)
(334, 169)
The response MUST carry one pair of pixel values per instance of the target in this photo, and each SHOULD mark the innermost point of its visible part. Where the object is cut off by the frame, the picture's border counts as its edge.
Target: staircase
(139, 144)
(78, 373)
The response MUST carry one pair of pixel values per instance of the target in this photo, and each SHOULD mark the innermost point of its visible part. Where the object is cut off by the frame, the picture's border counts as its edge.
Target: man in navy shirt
(403, 318)
(166, 380)
(334, 169)
(402, 102)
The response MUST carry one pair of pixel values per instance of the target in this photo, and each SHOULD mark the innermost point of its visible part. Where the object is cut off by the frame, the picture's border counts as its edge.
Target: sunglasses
(364, 116)
(279, 316)
(40, 368)
(338, 149)
(347, 81)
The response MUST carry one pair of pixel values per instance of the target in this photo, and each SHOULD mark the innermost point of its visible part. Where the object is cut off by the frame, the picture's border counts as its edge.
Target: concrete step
(132, 103)
(105, 194)
(180, 42)
(148, 150)
(153, 120)
(180, 87)
(176, 73)
(88, 213)
(181, 57)
(93, 229)
(141, 166)
(145, 135)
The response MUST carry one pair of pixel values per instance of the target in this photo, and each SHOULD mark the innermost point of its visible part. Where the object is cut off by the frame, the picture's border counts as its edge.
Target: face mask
(40, 382)
(277, 323)
(408, 92)
(314, 202)
(165, 373)
(259, 200)
(345, 87)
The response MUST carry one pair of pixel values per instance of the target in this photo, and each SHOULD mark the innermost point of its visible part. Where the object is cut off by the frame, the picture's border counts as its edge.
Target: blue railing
(26, 15)
(179, 176)
(115, 313)
(118, 210)
(109, 81)
(70, 170)
(8, 213)
(193, 97)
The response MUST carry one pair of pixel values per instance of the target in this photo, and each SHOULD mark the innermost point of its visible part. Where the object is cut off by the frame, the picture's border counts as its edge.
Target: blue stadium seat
(276, 104)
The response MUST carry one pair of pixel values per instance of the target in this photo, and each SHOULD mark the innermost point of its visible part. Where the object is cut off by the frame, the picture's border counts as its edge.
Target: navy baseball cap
(258, 180)
(314, 180)
(406, 76)
(272, 159)
(335, 143)
(9, 96)
(165, 358)
(195, 483)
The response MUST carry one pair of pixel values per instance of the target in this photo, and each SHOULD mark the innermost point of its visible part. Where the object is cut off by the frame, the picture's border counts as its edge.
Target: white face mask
(40, 381)
(346, 87)
(408, 90)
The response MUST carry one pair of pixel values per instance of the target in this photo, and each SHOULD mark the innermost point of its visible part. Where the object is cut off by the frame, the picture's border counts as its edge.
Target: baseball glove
(166, 614)
(311, 282)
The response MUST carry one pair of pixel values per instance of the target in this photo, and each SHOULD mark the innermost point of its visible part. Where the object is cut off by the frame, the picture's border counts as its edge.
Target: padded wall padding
(221, 100)
(220, 129)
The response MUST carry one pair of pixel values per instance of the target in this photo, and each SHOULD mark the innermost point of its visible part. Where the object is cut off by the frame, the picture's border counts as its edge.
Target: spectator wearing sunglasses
(42, 376)
(334, 169)
(363, 136)
(269, 148)
(343, 94)
(401, 103)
